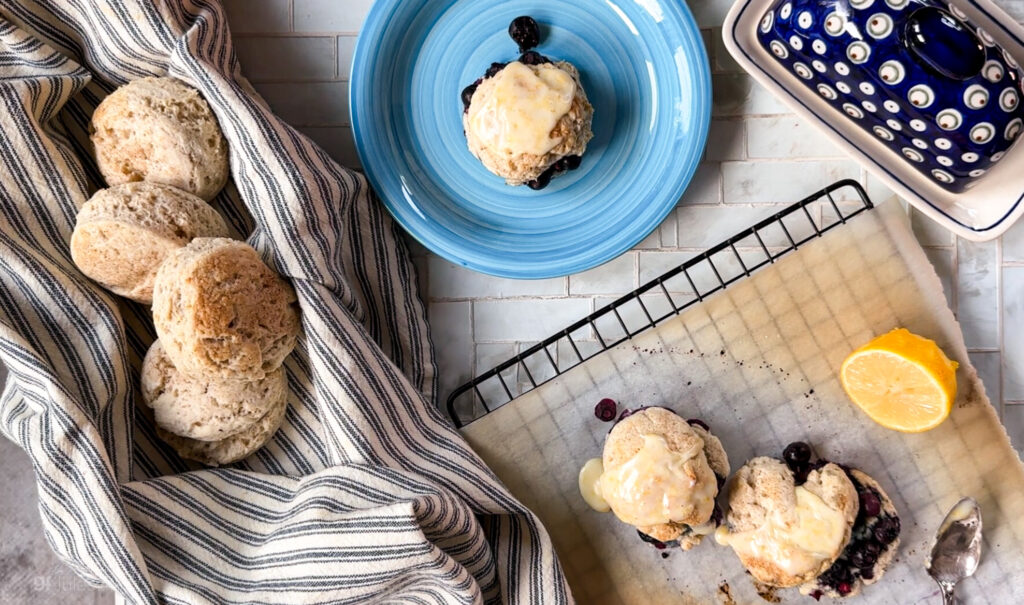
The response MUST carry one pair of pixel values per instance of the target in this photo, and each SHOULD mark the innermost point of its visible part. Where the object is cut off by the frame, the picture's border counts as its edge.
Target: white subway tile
(706, 226)
(977, 301)
(652, 241)
(877, 191)
(928, 232)
(739, 94)
(287, 58)
(346, 48)
(330, 15)
(781, 182)
(787, 137)
(723, 61)
(448, 280)
(308, 103)
(942, 260)
(337, 141)
(726, 140)
(537, 366)
(654, 263)
(567, 357)
(987, 365)
(1013, 418)
(263, 17)
(519, 320)
(451, 332)
(710, 13)
(1013, 328)
(705, 187)
(632, 314)
(617, 276)
(669, 231)
(1013, 243)
(488, 356)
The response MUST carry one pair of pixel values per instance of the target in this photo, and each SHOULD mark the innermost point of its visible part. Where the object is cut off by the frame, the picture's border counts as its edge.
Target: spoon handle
(947, 594)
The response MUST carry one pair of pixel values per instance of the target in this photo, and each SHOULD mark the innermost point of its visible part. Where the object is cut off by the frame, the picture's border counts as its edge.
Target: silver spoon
(957, 548)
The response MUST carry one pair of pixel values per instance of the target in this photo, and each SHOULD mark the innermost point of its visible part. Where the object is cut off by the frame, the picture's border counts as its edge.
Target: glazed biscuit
(572, 133)
(764, 491)
(628, 437)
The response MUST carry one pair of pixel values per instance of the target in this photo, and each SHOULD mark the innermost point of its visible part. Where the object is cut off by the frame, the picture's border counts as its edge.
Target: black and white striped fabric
(366, 494)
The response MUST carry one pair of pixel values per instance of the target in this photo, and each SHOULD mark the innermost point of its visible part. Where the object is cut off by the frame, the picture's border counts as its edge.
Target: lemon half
(902, 381)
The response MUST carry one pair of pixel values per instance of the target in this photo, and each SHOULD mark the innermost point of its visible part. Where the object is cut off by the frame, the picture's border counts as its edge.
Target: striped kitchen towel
(366, 494)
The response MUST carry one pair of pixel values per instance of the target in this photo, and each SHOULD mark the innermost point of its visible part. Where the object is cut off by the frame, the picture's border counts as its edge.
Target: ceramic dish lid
(926, 94)
(917, 74)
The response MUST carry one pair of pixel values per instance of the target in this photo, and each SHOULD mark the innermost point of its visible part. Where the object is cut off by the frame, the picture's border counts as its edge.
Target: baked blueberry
(795, 453)
(525, 32)
(698, 422)
(467, 96)
(870, 505)
(541, 181)
(887, 530)
(494, 69)
(605, 410)
(656, 543)
(532, 57)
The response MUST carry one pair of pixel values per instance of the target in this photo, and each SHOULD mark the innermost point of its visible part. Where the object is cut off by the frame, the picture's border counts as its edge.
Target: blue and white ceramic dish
(645, 71)
(915, 73)
(924, 93)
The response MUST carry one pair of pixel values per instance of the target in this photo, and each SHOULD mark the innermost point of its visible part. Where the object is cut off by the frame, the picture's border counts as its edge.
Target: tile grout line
(336, 79)
(999, 325)
(955, 277)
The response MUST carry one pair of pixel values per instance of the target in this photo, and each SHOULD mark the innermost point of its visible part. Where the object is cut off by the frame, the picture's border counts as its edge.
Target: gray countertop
(760, 157)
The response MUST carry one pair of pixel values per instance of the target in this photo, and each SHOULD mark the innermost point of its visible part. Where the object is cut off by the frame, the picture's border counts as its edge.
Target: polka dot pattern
(851, 53)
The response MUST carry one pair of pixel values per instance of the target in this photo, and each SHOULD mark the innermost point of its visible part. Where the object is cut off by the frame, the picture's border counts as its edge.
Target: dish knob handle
(942, 44)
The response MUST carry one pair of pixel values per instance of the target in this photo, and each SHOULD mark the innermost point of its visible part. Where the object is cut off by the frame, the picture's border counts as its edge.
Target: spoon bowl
(957, 548)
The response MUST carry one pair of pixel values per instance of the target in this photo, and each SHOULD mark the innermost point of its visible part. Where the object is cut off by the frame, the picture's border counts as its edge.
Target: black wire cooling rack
(661, 298)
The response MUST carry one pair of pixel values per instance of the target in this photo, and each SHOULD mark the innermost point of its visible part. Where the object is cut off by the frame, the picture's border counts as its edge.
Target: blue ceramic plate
(645, 71)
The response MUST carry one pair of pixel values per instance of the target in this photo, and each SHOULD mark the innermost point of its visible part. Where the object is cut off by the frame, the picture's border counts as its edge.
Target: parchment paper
(759, 363)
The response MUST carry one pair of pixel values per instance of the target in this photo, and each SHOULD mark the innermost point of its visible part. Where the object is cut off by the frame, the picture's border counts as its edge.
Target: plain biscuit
(203, 409)
(123, 234)
(162, 131)
(222, 313)
(765, 487)
(233, 448)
